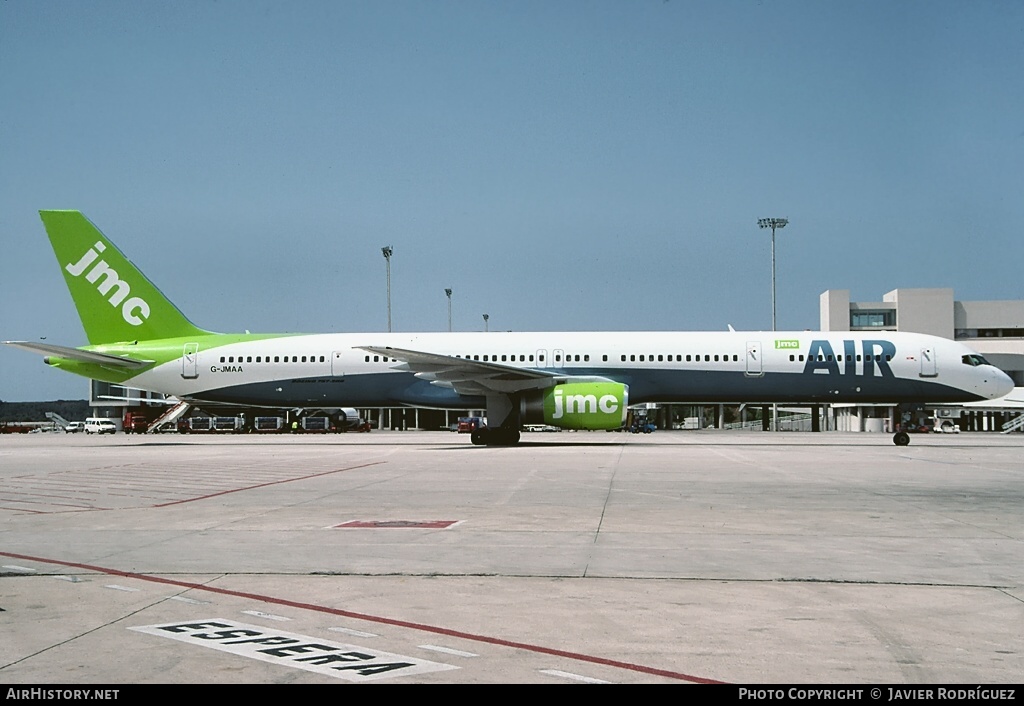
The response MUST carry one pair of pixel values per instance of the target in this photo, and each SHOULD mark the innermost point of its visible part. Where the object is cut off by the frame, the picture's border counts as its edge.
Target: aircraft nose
(999, 384)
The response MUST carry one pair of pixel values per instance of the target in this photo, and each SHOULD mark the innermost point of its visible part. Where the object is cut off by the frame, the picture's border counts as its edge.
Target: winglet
(115, 301)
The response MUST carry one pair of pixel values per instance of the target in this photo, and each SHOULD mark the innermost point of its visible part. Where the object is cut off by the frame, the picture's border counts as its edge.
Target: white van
(96, 425)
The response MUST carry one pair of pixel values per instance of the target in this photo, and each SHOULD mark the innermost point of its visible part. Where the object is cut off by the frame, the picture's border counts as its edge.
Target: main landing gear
(904, 417)
(497, 436)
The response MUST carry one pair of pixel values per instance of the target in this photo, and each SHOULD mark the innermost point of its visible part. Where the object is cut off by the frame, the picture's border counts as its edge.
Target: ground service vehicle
(95, 425)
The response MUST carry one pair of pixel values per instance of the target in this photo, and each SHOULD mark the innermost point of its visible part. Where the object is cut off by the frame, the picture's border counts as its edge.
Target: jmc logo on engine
(586, 405)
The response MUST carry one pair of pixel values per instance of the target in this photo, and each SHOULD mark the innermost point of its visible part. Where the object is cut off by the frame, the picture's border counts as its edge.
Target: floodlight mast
(388, 251)
(773, 223)
(448, 293)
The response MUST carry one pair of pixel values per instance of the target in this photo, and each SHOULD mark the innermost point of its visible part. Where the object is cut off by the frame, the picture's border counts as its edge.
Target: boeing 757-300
(571, 380)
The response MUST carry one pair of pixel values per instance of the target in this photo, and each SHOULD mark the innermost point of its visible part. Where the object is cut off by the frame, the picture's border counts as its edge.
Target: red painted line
(654, 671)
(396, 524)
(268, 484)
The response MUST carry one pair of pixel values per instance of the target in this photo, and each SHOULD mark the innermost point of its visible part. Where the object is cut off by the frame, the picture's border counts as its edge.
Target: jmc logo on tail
(134, 310)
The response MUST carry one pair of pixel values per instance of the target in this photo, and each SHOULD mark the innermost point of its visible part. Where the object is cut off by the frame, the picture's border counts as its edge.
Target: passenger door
(755, 366)
(929, 367)
(190, 361)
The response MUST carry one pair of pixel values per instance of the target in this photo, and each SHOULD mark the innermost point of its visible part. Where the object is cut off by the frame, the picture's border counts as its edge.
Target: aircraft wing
(115, 361)
(468, 377)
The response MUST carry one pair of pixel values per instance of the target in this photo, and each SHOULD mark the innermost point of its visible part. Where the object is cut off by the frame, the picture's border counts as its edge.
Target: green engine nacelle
(578, 405)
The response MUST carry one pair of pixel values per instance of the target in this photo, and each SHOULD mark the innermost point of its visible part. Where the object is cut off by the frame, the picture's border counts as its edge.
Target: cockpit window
(974, 360)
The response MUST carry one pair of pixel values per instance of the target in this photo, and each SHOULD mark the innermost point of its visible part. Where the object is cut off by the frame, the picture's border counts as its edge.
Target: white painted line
(13, 567)
(354, 633)
(191, 601)
(121, 588)
(335, 659)
(448, 651)
(268, 616)
(570, 675)
(70, 579)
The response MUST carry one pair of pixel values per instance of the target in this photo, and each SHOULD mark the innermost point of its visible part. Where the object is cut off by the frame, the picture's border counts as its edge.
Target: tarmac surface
(675, 557)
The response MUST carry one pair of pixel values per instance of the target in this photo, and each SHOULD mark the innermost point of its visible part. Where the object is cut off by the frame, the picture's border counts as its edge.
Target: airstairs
(1016, 424)
(172, 415)
(58, 421)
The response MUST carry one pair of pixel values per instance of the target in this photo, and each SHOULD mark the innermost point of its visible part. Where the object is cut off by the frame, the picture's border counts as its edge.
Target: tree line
(72, 410)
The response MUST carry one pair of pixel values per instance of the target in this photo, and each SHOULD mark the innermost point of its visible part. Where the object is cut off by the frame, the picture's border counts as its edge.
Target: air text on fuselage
(873, 359)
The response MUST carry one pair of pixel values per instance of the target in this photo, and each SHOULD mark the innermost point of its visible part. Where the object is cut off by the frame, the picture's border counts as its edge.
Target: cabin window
(222, 359)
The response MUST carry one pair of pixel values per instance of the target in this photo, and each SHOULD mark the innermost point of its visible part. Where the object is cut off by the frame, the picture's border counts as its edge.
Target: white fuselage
(746, 366)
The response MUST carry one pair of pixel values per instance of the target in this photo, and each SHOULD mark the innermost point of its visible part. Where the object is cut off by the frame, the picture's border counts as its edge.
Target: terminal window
(873, 319)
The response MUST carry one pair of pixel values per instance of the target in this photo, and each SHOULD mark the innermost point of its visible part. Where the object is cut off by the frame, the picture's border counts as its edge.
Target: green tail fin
(115, 301)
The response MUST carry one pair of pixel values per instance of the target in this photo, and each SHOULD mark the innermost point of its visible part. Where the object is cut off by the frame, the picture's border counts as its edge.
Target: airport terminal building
(995, 329)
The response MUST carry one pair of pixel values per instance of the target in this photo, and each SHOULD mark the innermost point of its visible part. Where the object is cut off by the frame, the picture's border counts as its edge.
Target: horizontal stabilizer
(79, 354)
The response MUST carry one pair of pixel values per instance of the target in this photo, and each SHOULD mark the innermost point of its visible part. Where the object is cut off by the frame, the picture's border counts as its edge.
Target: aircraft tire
(901, 438)
(495, 437)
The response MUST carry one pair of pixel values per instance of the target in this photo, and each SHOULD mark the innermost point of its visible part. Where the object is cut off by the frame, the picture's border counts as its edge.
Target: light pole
(772, 223)
(486, 317)
(388, 250)
(448, 293)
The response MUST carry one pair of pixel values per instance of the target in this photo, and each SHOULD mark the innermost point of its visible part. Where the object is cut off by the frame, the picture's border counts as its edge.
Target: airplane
(570, 380)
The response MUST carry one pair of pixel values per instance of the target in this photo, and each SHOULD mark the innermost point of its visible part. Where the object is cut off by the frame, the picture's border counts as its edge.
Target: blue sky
(560, 165)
